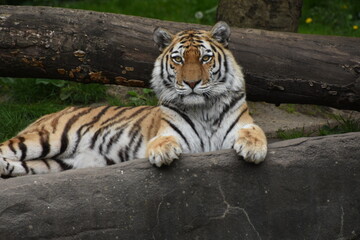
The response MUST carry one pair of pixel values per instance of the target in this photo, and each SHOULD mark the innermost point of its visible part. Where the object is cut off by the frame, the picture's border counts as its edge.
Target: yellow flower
(344, 6)
(355, 27)
(308, 20)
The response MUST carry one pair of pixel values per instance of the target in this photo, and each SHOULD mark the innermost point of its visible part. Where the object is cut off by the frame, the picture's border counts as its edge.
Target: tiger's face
(195, 67)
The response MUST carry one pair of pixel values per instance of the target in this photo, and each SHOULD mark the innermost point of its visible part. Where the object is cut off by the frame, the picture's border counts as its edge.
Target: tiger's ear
(162, 38)
(221, 33)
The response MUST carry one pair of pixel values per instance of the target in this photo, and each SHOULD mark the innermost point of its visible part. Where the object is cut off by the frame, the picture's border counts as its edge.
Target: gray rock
(308, 188)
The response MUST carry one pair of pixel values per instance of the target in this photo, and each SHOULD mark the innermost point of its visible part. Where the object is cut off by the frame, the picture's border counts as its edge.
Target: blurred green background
(24, 100)
(327, 17)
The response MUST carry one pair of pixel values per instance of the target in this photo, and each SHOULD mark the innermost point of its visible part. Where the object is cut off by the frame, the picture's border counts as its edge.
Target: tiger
(202, 107)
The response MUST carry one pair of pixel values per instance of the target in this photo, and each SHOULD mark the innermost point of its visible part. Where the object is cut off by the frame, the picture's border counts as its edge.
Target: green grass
(147, 97)
(16, 116)
(28, 90)
(25, 100)
(290, 134)
(289, 108)
(342, 125)
(331, 17)
(172, 10)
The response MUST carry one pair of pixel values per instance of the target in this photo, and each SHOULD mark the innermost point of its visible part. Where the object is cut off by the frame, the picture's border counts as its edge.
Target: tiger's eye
(177, 59)
(206, 58)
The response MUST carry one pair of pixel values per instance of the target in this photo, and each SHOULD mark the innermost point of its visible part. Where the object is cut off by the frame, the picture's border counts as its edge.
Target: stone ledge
(307, 188)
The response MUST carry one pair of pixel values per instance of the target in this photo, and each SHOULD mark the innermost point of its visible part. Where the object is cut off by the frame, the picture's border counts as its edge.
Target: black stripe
(213, 48)
(162, 67)
(95, 137)
(166, 64)
(89, 125)
(55, 121)
(223, 79)
(137, 146)
(24, 165)
(113, 139)
(11, 146)
(11, 170)
(188, 120)
(64, 136)
(137, 112)
(169, 78)
(23, 148)
(133, 134)
(124, 154)
(214, 73)
(136, 125)
(44, 142)
(225, 62)
(103, 142)
(220, 65)
(97, 133)
(234, 123)
(123, 109)
(46, 163)
(32, 171)
(167, 84)
(178, 131)
(62, 165)
(228, 107)
(120, 155)
(132, 142)
(109, 161)
(94, 120)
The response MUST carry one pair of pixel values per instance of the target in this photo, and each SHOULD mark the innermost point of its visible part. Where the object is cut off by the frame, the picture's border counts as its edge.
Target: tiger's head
(195, 67)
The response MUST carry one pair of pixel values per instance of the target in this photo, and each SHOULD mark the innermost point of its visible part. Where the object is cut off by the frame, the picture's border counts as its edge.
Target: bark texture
(88, 46)
(270, 15)
(307, 188)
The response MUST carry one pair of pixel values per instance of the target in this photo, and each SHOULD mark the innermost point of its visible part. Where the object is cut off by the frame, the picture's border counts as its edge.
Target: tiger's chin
(193, 100)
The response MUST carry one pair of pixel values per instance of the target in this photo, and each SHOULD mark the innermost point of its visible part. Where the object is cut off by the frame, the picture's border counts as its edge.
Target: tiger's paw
(163, 150)
(251, 144)
(4, 166)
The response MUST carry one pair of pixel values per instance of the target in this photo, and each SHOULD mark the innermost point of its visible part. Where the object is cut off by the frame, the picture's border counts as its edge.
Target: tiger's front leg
(249, 139)
(166, 146)
(251, 143)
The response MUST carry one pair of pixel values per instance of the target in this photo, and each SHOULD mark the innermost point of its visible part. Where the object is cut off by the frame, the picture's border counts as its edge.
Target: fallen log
(306, 187)
(88, 46)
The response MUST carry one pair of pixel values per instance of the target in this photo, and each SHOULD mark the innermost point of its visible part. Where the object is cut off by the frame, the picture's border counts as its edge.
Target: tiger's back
(85, 137)
(202, 108)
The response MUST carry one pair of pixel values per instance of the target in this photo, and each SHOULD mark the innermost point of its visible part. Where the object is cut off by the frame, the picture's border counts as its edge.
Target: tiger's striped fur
(202, 108)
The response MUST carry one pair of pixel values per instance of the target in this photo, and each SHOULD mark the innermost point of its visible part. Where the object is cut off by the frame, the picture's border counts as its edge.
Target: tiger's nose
(192, 84)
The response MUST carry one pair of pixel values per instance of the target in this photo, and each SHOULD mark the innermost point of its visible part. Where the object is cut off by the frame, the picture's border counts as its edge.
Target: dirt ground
(293, 116)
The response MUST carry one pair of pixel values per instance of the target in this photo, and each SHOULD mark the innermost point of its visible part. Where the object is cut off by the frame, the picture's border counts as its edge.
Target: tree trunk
(87, 46)
(306, 187)
(270, 15)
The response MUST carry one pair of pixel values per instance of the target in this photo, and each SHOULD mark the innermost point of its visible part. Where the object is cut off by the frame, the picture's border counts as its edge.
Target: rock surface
(307, 188)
